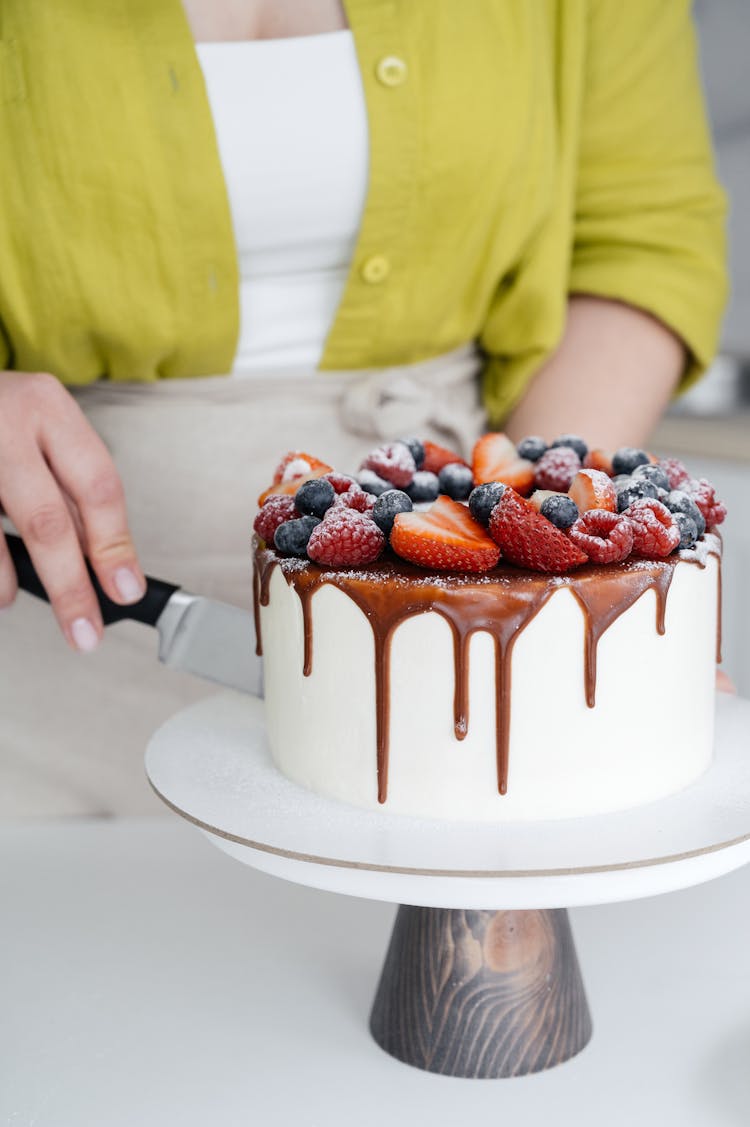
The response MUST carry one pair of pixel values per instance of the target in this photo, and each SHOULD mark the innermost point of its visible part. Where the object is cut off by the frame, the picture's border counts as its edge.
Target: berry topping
(627, 458)
(495, 459)
(275, 511)
(297, 464)
(293, 536)
(634, 489)
(345, 538)
(655, 534)
(604, 536)
(688, 529)
(483, 499)
(416, 446)
(371, 483)
(574, 442)
(315, 497)
(445, 537)
(599, 460)
(394, 462)
(388, 506)
(424, 486)
(528, 539)
(355, 499)
(675, 471)
(531, 448)
(592, 489)
(341, 482)
(680, 502)
(435, 457)
(558, 508)
(654, 473)
(456, 481)
(704, 495)
(556, 469)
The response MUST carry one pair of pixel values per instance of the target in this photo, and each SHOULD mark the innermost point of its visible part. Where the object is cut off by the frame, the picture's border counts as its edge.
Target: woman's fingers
(724, 684)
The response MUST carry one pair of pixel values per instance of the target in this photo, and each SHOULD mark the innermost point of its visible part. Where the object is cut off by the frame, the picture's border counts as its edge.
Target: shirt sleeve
(649, 213)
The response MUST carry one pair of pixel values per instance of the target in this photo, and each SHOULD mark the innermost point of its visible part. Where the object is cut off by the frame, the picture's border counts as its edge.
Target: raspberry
(556, 469)
(394, 462)
(278, 509)
(355, 499)
(341, 482)
(345, 537)
(604, 536)
(675, 471)
(704, 495)
(655, 533)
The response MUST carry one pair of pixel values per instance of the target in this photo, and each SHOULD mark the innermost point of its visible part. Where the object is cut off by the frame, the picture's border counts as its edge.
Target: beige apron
(193, 456)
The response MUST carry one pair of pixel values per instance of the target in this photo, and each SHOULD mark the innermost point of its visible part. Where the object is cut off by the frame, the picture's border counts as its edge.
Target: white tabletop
(149, 980)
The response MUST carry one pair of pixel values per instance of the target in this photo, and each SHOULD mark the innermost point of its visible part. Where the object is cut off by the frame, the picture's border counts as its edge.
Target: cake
(532, 636)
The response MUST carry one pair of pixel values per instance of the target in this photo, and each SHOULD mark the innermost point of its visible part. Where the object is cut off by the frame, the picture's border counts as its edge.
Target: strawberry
(393, 462)
(593, 489)
(606, 537)
(676, 471)
(539, 496)
(495, 458)
(703, 493)
(297, 464)
(435, 457)
(345, 538)
(446, 537)
(557, 468)
(276, 510)
(655, 533)
(291, 486)
(528, 539)
(599, 460)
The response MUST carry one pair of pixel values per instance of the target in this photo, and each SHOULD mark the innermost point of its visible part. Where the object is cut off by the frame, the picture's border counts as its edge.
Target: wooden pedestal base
(481, 994)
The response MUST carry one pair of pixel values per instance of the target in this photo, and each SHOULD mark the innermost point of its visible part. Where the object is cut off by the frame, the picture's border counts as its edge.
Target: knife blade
(197, 635)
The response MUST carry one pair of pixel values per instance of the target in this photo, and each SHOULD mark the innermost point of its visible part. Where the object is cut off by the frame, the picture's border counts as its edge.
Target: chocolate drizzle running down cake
(501, 602)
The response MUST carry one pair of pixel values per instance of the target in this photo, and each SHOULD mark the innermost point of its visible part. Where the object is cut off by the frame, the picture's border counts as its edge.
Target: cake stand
(481, 977)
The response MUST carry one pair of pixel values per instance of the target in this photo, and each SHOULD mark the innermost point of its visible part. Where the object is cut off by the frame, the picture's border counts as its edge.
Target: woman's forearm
(609, 380)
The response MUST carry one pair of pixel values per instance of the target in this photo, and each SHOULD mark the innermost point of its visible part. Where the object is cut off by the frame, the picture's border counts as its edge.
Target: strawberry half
(599, 460)
(297, 464)
(435, 457)
(593, 489)
(291, 486)
(445, 537)
(528, 539)
(495, 458)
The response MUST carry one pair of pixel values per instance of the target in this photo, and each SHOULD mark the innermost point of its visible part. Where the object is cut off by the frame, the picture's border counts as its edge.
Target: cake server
(197, 635)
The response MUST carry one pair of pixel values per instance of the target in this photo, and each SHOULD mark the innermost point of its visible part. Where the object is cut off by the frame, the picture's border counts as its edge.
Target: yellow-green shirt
(520, 150)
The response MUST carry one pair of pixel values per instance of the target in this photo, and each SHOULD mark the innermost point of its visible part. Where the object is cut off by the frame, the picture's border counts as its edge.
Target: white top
(291, 125)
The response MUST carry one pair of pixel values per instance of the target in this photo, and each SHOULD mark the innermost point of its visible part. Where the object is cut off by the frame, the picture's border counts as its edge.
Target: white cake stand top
(211, 764)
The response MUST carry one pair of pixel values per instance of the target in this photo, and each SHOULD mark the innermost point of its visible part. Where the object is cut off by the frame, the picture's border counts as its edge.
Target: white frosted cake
(494, 691)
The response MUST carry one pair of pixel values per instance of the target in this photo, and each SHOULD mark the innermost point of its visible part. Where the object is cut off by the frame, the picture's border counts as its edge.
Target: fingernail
(128, 584)
(84, 635)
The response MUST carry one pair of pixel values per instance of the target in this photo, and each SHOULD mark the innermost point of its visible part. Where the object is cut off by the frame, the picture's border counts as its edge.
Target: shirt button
(376, 269)
(391, 71)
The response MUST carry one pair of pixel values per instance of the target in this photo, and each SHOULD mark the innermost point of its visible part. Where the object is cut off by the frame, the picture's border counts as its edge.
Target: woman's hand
(60, 488)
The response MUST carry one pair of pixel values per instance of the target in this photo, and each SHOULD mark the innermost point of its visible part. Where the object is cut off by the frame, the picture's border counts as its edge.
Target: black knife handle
(147, 610)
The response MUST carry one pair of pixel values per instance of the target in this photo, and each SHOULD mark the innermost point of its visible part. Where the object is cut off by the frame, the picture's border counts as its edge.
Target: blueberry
(652, 473)
(371, 483)
(456, 480)
(388, 506)
(574, 442)
(634, 490)
(562, 511)
(483, 499)
(688, 529)
(292, 536)
(620, 479)
(627, 458)
(531, 448)
(679, 502)
(424, 486)
(417, 450)
(314, 498)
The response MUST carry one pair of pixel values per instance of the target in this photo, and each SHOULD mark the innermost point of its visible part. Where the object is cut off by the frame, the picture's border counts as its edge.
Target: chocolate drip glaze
(501, 602)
